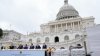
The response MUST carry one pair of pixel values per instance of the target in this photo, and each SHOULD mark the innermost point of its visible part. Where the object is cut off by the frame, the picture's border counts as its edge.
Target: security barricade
(77, 52)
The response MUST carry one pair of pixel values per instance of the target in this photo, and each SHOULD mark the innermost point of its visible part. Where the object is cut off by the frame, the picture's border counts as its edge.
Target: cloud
(4, 25)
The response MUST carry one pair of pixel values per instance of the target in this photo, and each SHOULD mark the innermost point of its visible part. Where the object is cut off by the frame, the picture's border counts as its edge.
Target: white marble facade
(69, 29)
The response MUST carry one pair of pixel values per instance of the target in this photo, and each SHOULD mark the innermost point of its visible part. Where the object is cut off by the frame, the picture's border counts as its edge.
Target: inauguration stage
(40, 52)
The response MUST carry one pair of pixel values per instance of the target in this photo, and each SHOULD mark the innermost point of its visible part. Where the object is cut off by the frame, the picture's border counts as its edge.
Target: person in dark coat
(37, 46)
(44, 46)
(32, 46)
(20, 46)
(11, 47)
(26, 47)
(2, 47)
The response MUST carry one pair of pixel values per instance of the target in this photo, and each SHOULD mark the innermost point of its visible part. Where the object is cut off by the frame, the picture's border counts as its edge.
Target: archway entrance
(56, 39)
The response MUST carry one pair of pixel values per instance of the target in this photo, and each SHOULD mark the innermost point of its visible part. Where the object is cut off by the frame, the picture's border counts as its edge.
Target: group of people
(44, 46)
(26, 46)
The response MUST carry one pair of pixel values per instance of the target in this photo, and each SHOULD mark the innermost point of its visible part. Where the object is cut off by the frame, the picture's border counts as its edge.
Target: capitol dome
(67, 11)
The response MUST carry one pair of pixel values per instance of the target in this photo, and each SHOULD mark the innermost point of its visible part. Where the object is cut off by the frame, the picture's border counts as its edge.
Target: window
(66, 38)
(47, 39)
(59, 25)
(38, 40)
(69, 24)
(56, 39)
(64, 25)
(30, 40)
(77, 36)
(53, 26)
(75, 23)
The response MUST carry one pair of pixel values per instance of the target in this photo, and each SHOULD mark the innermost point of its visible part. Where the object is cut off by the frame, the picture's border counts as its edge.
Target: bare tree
(1, 33)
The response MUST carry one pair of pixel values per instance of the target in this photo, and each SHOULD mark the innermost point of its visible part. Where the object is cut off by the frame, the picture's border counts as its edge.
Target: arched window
(56, 39)
(66, 38)
(47, 39)
(62, 48)
(77, 36)
(85, 35)
(30, 40)
(38, 40)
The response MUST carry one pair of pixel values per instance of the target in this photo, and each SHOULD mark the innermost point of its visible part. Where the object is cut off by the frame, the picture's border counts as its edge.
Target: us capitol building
(68, 29)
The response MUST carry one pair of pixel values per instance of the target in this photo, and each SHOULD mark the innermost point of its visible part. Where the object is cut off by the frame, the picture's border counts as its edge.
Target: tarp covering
(60, 52)
(22, 53)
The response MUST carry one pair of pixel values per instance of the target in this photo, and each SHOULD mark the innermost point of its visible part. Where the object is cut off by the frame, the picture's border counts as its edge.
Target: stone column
(66, 27)
(61, 28)
(81, 25)
(71, 25)
(55, 28)
(50, 28)
(78, 25)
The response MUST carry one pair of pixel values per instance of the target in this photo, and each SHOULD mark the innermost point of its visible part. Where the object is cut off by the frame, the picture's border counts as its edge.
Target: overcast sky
(27, 15)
